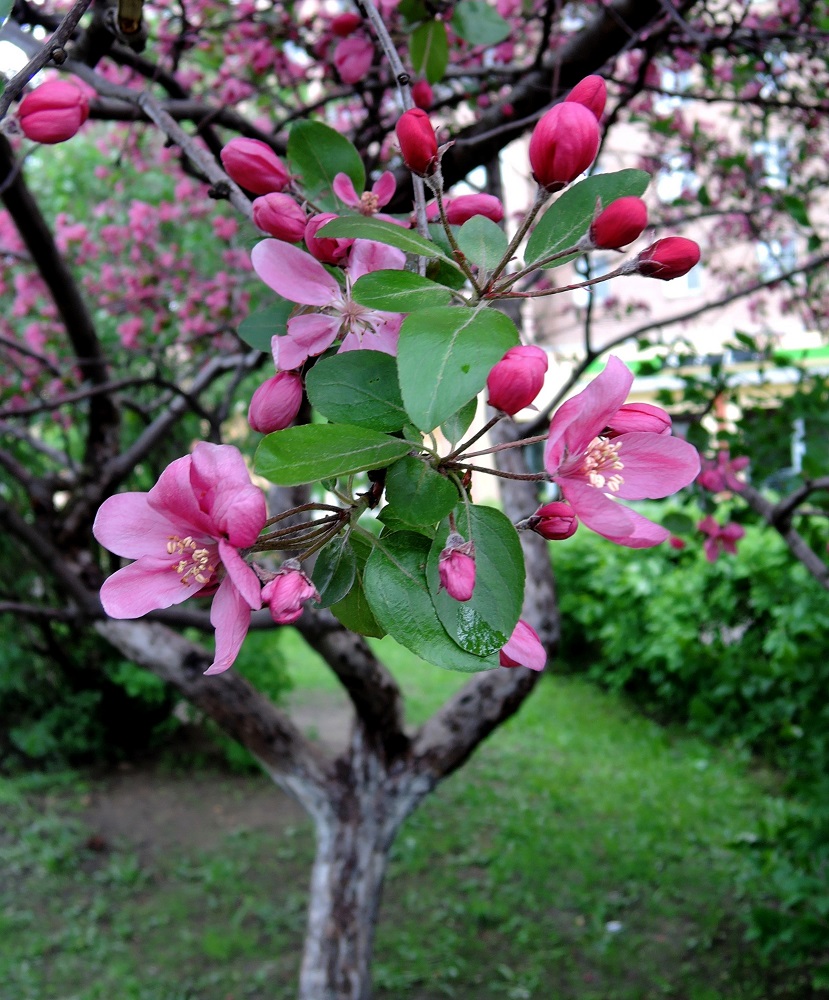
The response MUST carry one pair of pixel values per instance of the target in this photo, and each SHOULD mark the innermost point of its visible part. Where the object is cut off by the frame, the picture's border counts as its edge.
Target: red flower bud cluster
(280, 216)
(668, 258)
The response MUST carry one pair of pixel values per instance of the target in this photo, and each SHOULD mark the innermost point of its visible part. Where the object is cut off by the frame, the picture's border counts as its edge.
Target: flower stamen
(194, 564)
(600, 457)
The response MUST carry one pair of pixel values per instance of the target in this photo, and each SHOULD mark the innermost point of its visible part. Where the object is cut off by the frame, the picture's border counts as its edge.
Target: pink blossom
(53, 112)
(286, 594)
(589, 467)
(721, 474)
(554, 521)
(368, 203)
(456, 567)
(353, 58)
(185, 535)
(721, 538)
(639, 417)
(517, 378)
(275, 403)
(523, 648)
(298, 277)
(466, 206)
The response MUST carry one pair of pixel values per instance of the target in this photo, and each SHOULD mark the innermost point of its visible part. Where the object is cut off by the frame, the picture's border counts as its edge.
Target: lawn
(585, 853)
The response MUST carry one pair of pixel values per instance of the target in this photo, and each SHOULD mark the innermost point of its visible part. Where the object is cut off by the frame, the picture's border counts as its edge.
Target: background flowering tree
(135, 327)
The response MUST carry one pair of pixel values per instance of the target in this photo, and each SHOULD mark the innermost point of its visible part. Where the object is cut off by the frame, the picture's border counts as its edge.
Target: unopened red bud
(591, 92)
(646, 417)
(344, 24)
(280, 216)
(287, 592)
(456, 568)
(564, 143)
(466, 206)
(327, 249)
(275, 403)
(622, 222)
(668, 258)
(423, 95)
(554, 521)
(418, 143)
(254, 166)
(53, 112)
(517, 378)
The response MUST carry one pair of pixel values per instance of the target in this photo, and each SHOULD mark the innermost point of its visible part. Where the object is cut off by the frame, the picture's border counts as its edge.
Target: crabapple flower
(721, 538)
(517, 378)
(185, 535)
(591, 92)
(622, 222)
(327, 249)
(590, 467)
(300, 278)
(287, 593)
(353, 58)
(666, 259)
(275, 403)
(721, 474)
(368, 203)
(418, 143)
(554, 521)
(253, 165)
(523, 648)
(564, 143)
(638, 417)
(280, 216)
(456, 567)
(53, 112)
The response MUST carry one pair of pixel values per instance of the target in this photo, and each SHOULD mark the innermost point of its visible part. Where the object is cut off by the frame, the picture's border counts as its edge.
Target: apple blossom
(721, 474)
(638, 417)
(423, 95)
(53, 112)
(381, 193)
(253, 165)
(517, 378)
(591, 92)
(280, 216)
(554, 521)
(353, 58)
(327, 249)
(418, 143)
(622, 222)
(563, 145)
(456, 567)
(721, 538)
(275, 403)
(466, 206)
(667, 258)
(286, 594)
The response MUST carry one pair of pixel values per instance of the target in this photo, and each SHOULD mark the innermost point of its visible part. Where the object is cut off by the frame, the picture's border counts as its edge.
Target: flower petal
(368, 255)
(230, 616)
(127, 525)
(307, 336)
(221, 480)
(243, 577)
(294, 274)
(146, 585)
(384, 187)
(612, 520)
(344, 189)
(655, 465)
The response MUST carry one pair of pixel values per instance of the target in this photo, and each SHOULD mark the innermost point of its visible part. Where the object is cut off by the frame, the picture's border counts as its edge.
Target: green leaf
(796, 208)
(454, 427)
(485, 622)
(363, 228)
(359, 388)
(679, 524)
(353, 610)
(258, 328)
(429, 50)
(444, 356)
(334, 571)
(395, 586)
(320, 451)
(478, 23)
(398, 291)
(483, 242)
(318, 153)
(418, 494)
(569, 217)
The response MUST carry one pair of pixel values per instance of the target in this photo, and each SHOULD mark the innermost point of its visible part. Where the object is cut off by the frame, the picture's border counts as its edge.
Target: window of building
(776, 257)
(772, 157)
(676, 180)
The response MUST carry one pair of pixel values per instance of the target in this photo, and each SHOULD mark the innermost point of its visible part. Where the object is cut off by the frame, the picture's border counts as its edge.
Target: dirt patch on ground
(152, 808)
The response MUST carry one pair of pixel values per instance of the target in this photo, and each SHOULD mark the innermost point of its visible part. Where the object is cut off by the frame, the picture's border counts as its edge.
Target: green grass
(585, 853)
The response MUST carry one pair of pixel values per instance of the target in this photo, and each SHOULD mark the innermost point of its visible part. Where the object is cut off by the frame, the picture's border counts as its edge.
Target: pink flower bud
(668, 258)
(639, 417)
(554, 521)
(622, 222)
(353, 58)
(423, 95)
(517, 378)
(286, 593)
(465, 206)
(53, 112)
(254, 166)
(564, 143)
(676, 543)
(275, 403)
(345, 24)
(591, 92)
(280, 216)
(418, 143)
(326, 249)
(523, 649)
(456, 567)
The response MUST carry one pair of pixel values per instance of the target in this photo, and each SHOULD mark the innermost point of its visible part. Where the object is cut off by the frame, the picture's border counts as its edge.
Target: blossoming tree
(383, 327)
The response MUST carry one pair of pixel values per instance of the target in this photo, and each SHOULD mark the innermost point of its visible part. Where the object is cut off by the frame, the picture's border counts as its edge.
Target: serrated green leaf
(483, 242)
(359, 388)
(258, 328)
(334, 571)
(398, 291)
(444, 356)
(429, 50)
(454, 427)
(478, 23)
(485, 622)
(569, 217)
(319, 451)
(419, 494)
(363, 228)
(395, 585)
(318, 153)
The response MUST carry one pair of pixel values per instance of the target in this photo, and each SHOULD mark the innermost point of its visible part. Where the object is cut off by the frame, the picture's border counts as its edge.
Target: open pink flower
(298, 277)
(369, 202)
(589, 467)
(721, 538)
(185, 536)
(721, 474)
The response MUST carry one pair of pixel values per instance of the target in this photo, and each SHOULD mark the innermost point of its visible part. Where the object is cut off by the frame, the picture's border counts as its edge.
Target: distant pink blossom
(185, 535)
(590, 468)
(353, 58)
(721, 473)
(300, 278)
(721, 538)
